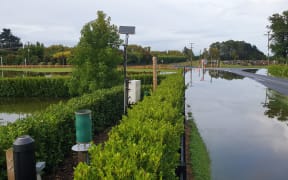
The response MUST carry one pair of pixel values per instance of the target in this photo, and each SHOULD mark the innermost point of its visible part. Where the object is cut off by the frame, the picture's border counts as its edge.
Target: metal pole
(125, 77)
(28, 54)
(191, 52)
(1, 67)
(268, 47)
(154, 59)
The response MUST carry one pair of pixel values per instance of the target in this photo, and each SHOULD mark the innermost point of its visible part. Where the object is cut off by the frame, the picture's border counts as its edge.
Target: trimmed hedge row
(278, 70)
(34, 87)
(50, 87)
(53, 129)
(171, 59)
(147, 78)
(145, 145)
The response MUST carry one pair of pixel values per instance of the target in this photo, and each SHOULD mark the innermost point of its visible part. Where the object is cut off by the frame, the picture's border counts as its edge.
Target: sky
(160, 24)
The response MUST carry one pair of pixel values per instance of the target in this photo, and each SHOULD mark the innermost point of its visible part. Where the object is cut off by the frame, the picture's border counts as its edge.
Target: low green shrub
(146, 78)
(33, 87)
(53, 129)
(278, 70)
(145, 145)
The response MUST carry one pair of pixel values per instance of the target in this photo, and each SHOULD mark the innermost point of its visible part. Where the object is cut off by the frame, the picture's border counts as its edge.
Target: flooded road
(243, 124)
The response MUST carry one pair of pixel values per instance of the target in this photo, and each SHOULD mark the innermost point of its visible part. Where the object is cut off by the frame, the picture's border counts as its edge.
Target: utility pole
(191, 53)
(268, 45)
(28, 54)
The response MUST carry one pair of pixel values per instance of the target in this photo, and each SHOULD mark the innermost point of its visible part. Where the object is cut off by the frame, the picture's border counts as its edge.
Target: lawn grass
(200, 160)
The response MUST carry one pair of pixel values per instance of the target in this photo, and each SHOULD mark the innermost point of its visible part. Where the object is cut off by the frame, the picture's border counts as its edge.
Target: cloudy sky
(160, 24)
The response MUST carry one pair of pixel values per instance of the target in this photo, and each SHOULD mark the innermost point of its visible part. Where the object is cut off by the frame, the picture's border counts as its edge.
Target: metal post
(126, 30)
(125, 76)
(28, 54)
(191, 53)
(154, 59)
(268, 45)
(24, 158)
(268, 48)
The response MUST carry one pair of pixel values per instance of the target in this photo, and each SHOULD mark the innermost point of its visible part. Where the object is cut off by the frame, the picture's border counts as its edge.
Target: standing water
(243, 124)
(12, 109)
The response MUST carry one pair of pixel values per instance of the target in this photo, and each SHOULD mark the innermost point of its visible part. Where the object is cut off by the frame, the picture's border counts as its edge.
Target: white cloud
(161, 24)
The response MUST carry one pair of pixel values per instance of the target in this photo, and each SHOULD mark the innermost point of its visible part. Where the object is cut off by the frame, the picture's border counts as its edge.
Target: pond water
(4, 73)
(243, 124)
(12, 109)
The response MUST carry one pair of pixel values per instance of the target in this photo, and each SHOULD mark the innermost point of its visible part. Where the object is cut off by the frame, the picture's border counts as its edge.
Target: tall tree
(96, 56)
(188, 52)
(8, 40)
(279, 28)
(214, 53)
(241, 50)
(33, 53)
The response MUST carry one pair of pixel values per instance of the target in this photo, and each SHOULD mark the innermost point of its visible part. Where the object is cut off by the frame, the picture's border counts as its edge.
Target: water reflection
(29, 74)
(276, 105)
(224, 75)
(12, 109)
(243, 141)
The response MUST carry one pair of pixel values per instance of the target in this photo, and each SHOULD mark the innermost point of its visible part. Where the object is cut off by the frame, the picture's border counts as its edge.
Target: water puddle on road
(243, 124)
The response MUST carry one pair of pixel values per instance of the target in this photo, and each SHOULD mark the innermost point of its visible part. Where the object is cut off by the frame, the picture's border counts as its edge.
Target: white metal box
(134, 92)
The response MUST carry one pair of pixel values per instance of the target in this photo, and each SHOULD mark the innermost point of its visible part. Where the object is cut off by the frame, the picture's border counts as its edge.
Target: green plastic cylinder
(83, 126)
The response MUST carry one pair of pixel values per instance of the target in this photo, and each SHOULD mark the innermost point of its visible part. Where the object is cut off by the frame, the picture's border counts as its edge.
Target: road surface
(278, 84)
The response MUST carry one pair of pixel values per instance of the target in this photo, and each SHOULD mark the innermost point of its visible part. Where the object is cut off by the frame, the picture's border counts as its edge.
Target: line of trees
(13, 52)
(279, 35)
(233, 50)
(138, 55)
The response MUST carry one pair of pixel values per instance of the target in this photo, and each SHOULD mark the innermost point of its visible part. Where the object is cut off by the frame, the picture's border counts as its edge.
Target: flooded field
(9, 74)
(12, 109)
(243, 124)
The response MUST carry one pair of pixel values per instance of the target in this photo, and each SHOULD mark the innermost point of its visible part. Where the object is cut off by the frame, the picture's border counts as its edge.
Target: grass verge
(199, 155)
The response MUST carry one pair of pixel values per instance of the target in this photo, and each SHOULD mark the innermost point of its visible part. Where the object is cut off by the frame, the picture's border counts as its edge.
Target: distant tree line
(138, 55)
(233, 50)
(13, 52)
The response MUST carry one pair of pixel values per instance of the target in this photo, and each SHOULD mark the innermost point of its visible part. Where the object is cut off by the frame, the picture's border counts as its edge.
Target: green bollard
(83, 126)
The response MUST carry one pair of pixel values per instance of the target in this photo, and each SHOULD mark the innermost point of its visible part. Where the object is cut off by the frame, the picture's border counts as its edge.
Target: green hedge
(146, 78)
(34, 87)
(171, 59)
(53, 129)
(278, 70)
(145, 145)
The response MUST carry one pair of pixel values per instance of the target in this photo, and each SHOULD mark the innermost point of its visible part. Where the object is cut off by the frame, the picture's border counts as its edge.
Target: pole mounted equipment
(126, 30)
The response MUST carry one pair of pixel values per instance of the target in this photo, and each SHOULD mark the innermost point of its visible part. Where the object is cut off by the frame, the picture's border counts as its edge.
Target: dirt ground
(65, 171)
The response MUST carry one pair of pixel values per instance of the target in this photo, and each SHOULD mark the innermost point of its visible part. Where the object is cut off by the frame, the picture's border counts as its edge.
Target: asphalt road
(278, 84)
